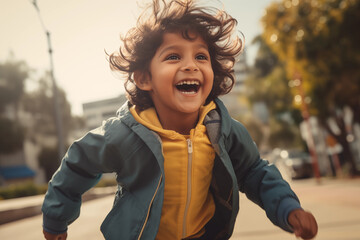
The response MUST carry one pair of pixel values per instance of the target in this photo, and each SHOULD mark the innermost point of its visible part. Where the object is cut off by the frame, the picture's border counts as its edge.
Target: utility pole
(57, 105)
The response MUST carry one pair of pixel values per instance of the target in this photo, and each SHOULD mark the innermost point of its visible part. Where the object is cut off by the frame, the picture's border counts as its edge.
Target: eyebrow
(176, 47)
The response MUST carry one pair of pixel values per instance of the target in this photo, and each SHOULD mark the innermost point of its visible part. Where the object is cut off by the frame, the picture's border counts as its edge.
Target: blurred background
(297, 84)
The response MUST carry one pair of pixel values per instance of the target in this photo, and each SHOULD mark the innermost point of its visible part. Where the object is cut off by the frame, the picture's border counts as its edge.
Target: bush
(49, 160)
(28, 188)
(22, 190)
(11, 136)
(106, 182)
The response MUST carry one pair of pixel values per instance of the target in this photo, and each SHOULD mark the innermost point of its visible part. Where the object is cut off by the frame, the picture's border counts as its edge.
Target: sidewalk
(335, 204)
(20, 208)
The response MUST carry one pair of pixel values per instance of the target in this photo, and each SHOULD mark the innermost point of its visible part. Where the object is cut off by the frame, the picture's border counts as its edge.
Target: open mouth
(188, 87)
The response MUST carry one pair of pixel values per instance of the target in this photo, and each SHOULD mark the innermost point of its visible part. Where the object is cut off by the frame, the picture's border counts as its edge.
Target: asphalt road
(335, 204)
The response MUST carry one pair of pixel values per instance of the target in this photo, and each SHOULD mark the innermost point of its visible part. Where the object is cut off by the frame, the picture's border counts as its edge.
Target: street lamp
(57, 108)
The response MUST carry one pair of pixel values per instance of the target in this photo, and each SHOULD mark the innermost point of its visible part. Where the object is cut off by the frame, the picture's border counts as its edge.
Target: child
(179, 157)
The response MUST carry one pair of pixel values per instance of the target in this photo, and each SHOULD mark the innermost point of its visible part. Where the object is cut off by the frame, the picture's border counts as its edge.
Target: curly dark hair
(216, 27)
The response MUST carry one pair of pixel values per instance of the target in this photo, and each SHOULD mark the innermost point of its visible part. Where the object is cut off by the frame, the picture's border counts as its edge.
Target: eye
(202, 57)
(172, 57)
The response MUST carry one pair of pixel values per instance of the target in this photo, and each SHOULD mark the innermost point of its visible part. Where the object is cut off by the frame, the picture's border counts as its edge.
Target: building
(98, 111)
(236, 100)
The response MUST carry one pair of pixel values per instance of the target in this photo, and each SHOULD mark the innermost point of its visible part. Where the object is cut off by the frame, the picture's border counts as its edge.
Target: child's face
(181, 75)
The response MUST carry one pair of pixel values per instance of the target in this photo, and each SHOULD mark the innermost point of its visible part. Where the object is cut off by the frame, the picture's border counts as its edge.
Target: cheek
(210, 78)
(164, 74)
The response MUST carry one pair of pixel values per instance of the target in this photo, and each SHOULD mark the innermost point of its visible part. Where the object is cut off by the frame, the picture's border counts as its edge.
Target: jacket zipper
(188, 195)
(148, 213)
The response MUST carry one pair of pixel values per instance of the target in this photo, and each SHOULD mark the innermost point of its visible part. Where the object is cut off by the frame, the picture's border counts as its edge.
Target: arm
(80, 170)
(260, 181)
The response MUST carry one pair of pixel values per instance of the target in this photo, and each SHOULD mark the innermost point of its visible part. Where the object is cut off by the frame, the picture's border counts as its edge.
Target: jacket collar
(125, 116)
(225, 117)
(149, 137)
(217, 122)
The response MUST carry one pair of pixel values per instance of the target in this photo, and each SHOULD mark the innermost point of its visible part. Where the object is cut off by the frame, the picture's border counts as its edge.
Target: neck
(181, 123)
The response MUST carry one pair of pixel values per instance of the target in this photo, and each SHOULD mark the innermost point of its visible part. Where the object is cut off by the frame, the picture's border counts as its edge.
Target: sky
(81, 31)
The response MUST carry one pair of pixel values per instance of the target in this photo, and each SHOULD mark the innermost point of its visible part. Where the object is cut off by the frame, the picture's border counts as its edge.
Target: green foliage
(49, 160)
(284, 135)
(319, 40)
(268, 82)
(11, 136)
(12, 77)
(21, 190)
(265, 60)
(106, 182)
(40, 103)
(28, 188)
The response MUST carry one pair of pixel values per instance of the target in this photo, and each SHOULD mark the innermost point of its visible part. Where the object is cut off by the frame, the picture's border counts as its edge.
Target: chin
(190, 109)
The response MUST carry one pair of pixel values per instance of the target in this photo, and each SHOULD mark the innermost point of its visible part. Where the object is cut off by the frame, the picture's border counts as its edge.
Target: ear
(142, 80)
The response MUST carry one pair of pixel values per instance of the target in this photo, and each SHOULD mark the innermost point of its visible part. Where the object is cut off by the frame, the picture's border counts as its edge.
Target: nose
(191, 69)
(190, 66)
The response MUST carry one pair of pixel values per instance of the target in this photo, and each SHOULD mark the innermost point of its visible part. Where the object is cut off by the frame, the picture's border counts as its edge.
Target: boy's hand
(50, 236)
(303, 223)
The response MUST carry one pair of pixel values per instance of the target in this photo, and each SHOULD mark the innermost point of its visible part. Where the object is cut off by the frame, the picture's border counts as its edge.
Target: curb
(19, 208)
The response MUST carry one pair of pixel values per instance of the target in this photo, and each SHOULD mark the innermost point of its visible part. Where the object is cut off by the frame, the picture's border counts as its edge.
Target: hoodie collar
(126, 117)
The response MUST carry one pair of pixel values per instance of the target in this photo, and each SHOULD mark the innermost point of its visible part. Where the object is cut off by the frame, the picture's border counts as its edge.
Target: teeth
(188, 83)
(188, 92)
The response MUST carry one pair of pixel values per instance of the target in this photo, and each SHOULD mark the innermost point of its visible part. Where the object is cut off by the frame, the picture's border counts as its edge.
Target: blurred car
(298, 163)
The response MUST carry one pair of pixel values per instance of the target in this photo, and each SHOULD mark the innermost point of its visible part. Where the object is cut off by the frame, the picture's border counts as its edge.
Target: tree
(318, 41)
(13, 74)
(11, 136)
(284, 135)
(46, 158)
(267, 80)
(268, 83)
(40, 104)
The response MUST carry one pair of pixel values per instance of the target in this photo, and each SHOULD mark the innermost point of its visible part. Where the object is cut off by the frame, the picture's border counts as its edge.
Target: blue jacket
(124, 146)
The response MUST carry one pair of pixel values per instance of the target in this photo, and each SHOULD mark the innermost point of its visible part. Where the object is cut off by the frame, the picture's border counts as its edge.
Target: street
(335, 204)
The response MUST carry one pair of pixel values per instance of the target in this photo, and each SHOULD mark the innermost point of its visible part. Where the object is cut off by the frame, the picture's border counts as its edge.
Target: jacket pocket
(125, 218)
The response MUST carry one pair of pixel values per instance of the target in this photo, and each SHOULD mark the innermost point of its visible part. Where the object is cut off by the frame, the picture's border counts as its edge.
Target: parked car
(293, 164)
(298, 163)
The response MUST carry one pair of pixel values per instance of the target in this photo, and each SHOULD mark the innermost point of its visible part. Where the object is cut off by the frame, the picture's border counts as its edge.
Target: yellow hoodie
(188, 163)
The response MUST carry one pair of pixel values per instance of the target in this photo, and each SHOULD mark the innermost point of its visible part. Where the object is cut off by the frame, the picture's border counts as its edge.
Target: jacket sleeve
(81, 168)
(260, 181)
